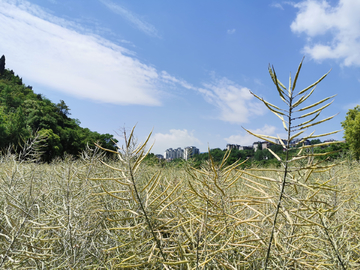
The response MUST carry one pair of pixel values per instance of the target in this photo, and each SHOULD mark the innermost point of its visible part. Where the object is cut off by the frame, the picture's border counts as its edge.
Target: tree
(2, 64)
(51, 147)
(351, 126)
(23, 113)
(315, 141)
(63, 108)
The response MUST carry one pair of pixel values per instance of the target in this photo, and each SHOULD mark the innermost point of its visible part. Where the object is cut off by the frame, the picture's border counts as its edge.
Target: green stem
(282, 191)
(145, 214)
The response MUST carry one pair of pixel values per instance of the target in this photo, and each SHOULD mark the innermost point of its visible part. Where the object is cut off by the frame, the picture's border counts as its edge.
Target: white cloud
(246, 139)
(231, 31)
(277, 5)
(342, 22)
(235, 102)
(167, 78)
(132, 18)
(54, 53)
(45, 49)
(175, 138)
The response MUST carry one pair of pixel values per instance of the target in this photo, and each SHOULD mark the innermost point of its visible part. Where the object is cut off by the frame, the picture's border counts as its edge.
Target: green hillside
(24, 113)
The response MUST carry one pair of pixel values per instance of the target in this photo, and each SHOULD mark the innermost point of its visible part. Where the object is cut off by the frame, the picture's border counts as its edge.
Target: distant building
(238, 147)
(159, 156)
(186, 153)
(190, 151)
(232, 146)
(255, 146)
(297, 141)
(174, 153)
(245, 148)
(294, 142)
(266, 145)
(284, 141)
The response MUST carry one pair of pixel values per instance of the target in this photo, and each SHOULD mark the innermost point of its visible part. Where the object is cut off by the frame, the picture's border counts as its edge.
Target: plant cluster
(85, 214)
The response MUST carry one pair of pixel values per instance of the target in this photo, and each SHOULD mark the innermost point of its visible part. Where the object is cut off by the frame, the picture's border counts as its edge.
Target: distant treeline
(261, 157)
(24, 114)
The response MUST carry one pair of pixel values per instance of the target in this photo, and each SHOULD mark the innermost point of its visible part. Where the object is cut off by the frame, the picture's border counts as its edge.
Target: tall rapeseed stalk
(292, 176)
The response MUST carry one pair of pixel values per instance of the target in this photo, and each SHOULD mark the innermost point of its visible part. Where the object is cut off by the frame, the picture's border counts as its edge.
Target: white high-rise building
(181, 153)
(174, 153)
(190, 151)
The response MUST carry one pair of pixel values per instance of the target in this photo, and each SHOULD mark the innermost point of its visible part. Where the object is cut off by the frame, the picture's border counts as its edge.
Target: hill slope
(23, 113)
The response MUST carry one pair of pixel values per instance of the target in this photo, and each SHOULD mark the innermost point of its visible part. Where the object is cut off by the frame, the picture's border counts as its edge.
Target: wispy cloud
(60, 55)
(231, 31)
(277, 5)
(132, 18)
(167, 78)
(51, 53)
(236, 104)
(175, 138)
(342, 22)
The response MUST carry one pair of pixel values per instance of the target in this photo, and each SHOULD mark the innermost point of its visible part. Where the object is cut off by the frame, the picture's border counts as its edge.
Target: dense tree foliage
(2, 64)
(351, 126)
(265, 158)
(24, 113)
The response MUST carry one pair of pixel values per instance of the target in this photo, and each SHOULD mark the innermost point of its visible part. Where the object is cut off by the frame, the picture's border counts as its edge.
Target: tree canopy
(24, 113)
(2, 64)
(351, 126)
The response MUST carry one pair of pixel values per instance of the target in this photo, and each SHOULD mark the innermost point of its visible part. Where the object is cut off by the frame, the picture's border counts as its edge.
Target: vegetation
(264, 157)
(85, 214)
(293, 177)
(137, 213)
(23, 114)
(351, 126)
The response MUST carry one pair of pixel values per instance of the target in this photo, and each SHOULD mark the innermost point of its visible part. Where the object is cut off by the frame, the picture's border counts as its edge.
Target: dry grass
(115, 214)
(54, 217)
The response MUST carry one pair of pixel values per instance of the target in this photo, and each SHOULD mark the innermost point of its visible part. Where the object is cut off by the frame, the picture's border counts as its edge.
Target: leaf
(297, 74)
(325, 134)
(319, 122)
(317, 110)
(130, 137)
(317, 145)
(108, 150)
(315, 104)
(263, 137)
(275, 155)
(284, 125)
(277, 83)
(296, 135)
(289, 89)
(282, 119)
(304, 139)
(268, 104)
(306, 122)
(282, 142)
(315, 83)
(302, 99)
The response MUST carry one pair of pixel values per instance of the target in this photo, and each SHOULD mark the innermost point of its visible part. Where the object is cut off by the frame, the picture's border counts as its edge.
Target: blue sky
(183, 68)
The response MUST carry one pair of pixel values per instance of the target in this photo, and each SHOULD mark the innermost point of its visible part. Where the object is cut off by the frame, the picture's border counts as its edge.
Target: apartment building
(190, 151)
(181, 153)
